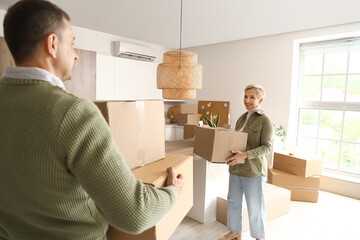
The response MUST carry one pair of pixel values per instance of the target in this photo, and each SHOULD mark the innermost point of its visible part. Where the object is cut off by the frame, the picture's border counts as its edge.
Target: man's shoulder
(65, 100)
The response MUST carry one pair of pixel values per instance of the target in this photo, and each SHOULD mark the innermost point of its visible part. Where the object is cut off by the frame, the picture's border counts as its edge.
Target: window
(328, 105)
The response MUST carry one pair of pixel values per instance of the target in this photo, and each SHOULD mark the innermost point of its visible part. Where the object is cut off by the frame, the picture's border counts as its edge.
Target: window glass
(335, 63)
(350, 158)
(352, 126)
(330, 124)
(353, 88)
(306, 145)
(330, 151)
(308, 122)
(354, 62)
(313, 64)
(334, 88)
(312, 88)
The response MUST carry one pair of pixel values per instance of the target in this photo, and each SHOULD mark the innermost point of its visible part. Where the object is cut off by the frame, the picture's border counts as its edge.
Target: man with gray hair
(61, 175)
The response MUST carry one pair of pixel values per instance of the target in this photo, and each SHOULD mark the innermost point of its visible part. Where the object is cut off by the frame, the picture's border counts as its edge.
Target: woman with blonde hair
(248, 178)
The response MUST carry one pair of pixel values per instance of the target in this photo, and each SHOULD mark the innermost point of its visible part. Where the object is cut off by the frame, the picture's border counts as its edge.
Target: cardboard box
(137, 128)
(277, 201)
(284, 179)
(227, 126)
(216, 144)
(155, 174)
(188, 108)
(188, 118)
(303, 166)
(304, 195)
(189, 130)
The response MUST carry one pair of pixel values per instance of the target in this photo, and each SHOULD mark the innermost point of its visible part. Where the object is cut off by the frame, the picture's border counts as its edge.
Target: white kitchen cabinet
(174, 132)
(105, 77)
(146, 81)
(125, 79)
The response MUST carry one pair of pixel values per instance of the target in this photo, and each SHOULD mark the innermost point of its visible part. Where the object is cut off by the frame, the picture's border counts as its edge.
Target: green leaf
(211, 121)
(217, 120)
(208, 122)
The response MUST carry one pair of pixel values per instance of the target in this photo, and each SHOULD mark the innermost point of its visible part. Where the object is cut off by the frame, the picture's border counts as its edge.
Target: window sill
(339, 176)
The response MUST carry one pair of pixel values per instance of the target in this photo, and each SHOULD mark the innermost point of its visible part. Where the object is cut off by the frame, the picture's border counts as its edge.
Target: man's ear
(52, 42)
(261, 100)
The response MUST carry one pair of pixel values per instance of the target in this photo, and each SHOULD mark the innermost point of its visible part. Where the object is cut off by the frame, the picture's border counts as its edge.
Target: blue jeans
(252, 188)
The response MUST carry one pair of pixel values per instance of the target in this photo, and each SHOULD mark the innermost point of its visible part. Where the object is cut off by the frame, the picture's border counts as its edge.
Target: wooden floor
(334, 217)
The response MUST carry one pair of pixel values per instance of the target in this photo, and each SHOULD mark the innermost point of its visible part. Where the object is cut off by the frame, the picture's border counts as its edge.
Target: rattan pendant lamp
(179, 75)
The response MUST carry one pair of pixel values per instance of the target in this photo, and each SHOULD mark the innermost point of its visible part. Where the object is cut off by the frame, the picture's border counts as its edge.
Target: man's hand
(238, 157)
(172, 179)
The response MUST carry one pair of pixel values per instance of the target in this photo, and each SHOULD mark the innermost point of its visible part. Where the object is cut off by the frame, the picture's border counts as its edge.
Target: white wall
(229, 67)
(100, 42)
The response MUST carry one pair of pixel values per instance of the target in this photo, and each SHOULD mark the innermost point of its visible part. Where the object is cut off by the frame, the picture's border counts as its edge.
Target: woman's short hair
(27, 23)
(259, 89)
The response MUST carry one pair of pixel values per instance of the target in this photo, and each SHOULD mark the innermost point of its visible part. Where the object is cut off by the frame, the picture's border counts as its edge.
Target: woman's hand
(239, 157)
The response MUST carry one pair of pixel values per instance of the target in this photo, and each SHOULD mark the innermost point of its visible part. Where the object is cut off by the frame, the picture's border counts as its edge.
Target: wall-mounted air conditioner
(133, 51)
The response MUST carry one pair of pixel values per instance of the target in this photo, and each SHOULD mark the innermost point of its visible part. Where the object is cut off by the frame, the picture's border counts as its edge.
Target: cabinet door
(179, 133)
(125, 79)
(146, 81)
(105, 77)
(169, 133)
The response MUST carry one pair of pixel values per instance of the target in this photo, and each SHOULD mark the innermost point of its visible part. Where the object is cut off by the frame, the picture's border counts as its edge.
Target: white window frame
(297, 102)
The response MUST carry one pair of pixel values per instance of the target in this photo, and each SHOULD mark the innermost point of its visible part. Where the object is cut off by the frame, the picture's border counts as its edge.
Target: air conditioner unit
(133, 51)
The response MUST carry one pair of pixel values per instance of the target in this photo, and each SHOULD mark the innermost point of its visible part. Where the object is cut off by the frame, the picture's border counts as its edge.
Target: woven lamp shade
(180, 75)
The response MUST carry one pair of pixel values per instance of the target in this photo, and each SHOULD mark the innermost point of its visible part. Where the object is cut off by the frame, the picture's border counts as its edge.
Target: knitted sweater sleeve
(95, 161)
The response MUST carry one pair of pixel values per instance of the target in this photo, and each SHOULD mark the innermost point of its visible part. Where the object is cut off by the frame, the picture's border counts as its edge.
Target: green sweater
(260, 131)
(61, 174)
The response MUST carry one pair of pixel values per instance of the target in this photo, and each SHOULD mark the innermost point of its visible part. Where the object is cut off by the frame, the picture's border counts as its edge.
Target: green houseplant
(213, 121)
(280, 132)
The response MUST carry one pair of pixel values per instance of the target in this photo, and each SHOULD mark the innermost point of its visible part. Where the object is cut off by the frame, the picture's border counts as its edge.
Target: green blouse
(260, 131)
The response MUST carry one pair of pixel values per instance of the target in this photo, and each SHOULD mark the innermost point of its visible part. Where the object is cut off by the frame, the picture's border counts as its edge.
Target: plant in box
(214, 120)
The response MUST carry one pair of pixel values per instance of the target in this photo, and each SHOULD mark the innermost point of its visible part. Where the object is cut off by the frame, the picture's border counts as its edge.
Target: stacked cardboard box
(155, 174)
(189, 130)
(277, 201)
(299, 174)
(188, 115)
(216, 144)
(137, 128)
(188, 108)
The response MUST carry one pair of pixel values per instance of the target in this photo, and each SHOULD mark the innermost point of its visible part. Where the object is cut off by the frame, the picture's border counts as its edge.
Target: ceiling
(204, 21)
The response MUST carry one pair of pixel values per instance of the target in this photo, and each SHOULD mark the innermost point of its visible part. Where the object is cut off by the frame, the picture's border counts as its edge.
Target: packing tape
(141, 135)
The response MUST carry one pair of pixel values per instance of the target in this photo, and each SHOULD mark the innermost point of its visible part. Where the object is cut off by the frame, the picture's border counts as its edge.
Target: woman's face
(251, 99)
